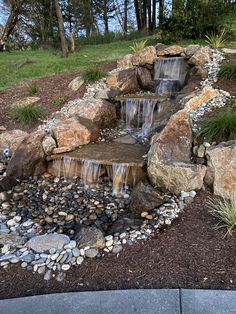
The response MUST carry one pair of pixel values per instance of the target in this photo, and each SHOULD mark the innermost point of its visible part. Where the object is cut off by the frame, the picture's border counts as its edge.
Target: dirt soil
(49, 87)
(191, 253)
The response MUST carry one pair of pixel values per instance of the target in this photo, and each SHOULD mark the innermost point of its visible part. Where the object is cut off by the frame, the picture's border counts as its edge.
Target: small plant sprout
(225, 211)
(58, 100)
(32, 89)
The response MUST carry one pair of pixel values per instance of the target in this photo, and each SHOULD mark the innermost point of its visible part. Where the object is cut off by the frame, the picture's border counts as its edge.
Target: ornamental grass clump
(228, 71)
(139, 45)
(217, 40)
(25, 115)
(32, 89)
(225, 211)
(93, 74)
(219, 127)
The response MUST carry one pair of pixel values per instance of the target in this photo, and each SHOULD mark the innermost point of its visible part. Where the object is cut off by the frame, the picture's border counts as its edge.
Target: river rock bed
(83, 223)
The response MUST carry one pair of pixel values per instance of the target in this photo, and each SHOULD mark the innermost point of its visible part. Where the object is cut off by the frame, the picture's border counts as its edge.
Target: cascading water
(120, 178)
(66, 167)
(90, 172)
(138, 113)
(171, 74)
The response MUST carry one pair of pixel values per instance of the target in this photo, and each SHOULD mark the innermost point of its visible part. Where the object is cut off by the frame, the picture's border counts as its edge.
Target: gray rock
(91, 237)
(117, 249)
(91, 253)
(48, 275)
(76, 252)
(45, 242)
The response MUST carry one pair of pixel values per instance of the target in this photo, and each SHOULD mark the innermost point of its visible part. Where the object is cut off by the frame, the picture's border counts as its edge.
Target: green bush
(224, 210)
(220, 126)
(26, 114)
(58, 100)
(228, 71)
(32, 89)
(93, 74)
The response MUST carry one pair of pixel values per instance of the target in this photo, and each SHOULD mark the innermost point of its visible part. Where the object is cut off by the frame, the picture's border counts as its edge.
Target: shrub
(58, 100)
(231, 103)
(221, 126)
(32, 89)
(217, 40)
(26, 114)
(224, 210)
(93, 75)
(139, 45)
(228, 71)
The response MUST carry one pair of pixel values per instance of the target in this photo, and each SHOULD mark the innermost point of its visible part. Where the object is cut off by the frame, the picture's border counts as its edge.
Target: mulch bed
(49, 87)
(191, 253)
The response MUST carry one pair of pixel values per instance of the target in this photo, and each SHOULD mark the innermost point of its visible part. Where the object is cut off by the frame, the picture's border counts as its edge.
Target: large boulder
(145, 78)
(175, 176)
(98, 111)
(11, 139)
(204, 96)
(175, 141)
(74, 132)
(125, 63)
(201, 56)
(145, 56)
(221, 168)
(29, 158)
(169, 158)
(173, 50)
(191, 50)
(124, 81)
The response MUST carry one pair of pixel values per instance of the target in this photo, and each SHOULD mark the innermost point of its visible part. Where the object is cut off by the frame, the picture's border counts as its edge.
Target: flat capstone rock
(46, 242)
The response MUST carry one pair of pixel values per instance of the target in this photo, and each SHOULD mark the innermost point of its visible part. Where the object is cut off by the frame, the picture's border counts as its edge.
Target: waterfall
(120, 178)
(171, 74)
(90, 172)
(138, 113)
(66, 167)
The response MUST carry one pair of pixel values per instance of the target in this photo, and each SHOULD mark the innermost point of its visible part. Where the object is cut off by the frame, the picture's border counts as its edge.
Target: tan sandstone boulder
(74, 132)
(98, 111)
(145, 56)
(201, 56)
(169, 163)
(76, 83)
(173, 50)
(205, 95)
(124, 81)
(11, 139)
(221, 168)
(125, 62)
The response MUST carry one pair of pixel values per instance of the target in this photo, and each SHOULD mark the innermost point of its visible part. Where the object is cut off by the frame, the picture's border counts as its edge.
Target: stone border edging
(168, 301)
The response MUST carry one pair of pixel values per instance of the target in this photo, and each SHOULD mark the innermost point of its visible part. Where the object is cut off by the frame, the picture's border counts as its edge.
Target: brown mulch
(191, 253)
(228, 85)
(49, 87)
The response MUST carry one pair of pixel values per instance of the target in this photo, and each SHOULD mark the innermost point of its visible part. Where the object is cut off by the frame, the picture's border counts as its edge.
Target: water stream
(90, 172)
(170, 74)
(66, 167)
(137, 114)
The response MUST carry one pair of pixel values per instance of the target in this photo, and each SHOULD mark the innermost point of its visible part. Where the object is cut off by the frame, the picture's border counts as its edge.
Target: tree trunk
(64, 46)
(154, 16)
(126, 3)
(10, 25)
(105, 17)
(137, 13)
(161, 12)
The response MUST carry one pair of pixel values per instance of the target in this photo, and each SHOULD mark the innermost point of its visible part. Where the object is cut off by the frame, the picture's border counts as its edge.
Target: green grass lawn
(21, 65)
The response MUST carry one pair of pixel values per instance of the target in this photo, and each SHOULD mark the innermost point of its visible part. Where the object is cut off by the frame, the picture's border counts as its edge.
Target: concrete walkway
(126, 302)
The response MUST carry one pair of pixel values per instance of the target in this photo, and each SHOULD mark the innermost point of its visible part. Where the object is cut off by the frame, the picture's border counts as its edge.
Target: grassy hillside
(17, 66)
